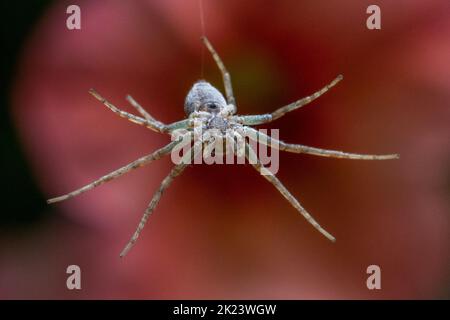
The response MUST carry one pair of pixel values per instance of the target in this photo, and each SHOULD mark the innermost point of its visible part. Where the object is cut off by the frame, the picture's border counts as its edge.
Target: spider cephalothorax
(211, 117)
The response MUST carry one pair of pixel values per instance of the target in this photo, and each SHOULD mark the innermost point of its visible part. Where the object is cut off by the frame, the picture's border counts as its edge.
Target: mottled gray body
(204, 97)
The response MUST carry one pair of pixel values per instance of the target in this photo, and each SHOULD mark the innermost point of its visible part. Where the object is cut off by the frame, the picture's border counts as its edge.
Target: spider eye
(212, 107)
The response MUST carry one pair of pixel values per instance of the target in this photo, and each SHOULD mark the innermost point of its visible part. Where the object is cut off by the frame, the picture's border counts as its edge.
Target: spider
(206, 108)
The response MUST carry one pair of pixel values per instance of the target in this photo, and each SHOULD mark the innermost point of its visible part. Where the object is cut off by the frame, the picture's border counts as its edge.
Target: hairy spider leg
(298, 148)
(158, 154)
(151, 124)
(252, 120)
(175, 172)
(141, 109)
(251, 156)
(225, 74)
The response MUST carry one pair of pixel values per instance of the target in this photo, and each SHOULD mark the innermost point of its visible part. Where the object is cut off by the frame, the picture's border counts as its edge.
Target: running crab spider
(207, 108)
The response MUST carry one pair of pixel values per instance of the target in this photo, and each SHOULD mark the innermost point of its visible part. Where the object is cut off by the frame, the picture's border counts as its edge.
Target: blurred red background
(223, 231)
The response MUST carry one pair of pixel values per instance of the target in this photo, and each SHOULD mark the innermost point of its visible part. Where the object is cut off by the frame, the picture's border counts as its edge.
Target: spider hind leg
(251, 156)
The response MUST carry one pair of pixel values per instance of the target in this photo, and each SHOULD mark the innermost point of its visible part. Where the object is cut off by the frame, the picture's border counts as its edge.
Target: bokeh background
(223, 231)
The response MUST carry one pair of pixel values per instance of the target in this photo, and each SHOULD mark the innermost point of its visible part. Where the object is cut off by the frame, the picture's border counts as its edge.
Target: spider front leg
(148, 122)
(225, 74)
(252, 158)
(175, 172)
(117, 173)
(253, 120)
(298, 148)
(141, 110)
(131, 117)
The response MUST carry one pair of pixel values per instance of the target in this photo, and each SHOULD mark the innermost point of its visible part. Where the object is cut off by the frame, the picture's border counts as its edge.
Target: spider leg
(250, 154)
(165, 128)
(265, 118)
(124, 114)
(175, 172)
(225, 74)
(147, 122)
(140, 109)
(117, 173)
(182, 124)
(298, 148)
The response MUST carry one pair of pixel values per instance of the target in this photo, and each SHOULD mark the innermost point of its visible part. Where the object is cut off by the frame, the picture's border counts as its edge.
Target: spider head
(204, 97)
